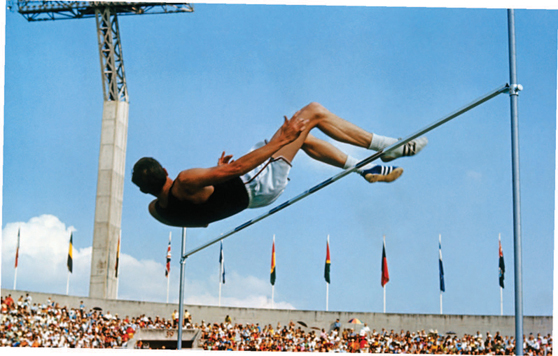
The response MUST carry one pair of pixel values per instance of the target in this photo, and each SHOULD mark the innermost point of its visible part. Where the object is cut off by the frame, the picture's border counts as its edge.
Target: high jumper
(200, 196)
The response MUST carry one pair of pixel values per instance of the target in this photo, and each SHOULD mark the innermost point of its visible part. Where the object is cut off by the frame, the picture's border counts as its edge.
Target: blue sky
(221, 78)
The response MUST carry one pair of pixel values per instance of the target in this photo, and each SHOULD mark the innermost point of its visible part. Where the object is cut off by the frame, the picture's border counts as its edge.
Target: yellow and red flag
(327, 265)
(272, 275)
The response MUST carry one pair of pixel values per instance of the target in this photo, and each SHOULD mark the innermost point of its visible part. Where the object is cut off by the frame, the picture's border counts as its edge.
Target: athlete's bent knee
(317, 110)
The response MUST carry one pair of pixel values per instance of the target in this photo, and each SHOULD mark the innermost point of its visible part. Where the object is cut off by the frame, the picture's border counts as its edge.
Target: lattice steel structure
(114, 129)
(61, 10)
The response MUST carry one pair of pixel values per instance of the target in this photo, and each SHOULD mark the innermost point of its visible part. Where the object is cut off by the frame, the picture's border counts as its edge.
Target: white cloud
(42, 268)
(43, 253)
(238, 291)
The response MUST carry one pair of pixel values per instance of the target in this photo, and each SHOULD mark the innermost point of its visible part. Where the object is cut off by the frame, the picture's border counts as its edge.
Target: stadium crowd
(24, 323)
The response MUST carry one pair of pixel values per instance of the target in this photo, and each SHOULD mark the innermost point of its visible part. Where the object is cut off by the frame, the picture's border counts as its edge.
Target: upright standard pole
(181, 290)
(514, 93)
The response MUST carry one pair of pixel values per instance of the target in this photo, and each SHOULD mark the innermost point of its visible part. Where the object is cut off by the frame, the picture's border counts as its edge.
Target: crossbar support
(515, 186)
(181, 292)
(375, 156)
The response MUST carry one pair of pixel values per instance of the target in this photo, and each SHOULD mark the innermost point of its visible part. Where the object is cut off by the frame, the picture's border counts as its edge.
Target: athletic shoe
(382, 174)
(411, 148)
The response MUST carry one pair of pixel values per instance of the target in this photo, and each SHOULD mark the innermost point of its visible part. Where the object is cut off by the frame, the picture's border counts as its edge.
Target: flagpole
(168, 270)
(386, 283)
(440, 245)
(70, 263)
(168, 286)
(501, 302)
(384, 299)
(327, 296)
(501, 294)
(220, 275)
(118, 262)
(273, 285)
(327, 284)
(220, 271)
(16, 258)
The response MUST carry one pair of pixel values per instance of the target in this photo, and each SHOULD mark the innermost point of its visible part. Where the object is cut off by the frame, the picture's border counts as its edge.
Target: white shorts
(266, 182)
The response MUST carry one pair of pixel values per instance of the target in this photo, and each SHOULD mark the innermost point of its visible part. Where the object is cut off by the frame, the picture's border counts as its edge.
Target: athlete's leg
(347, 132)
(344, 131)
(332, 125)
(327, 153)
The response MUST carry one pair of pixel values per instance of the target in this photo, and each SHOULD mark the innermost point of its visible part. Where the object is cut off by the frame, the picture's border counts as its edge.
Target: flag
(327, 264)
(70, 260)
(272, 275)
(167, 268)
(222, 264)
(385, 273)
(117, 258)
(502, 266)
(17, 249)
(442, 284)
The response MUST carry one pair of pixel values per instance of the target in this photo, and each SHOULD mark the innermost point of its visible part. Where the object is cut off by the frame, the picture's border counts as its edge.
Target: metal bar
(482, 99)
(181, 291)
(514, 93)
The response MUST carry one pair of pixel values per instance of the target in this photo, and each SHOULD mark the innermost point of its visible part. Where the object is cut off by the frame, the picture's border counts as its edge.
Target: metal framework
(110, 50)
(64, 10)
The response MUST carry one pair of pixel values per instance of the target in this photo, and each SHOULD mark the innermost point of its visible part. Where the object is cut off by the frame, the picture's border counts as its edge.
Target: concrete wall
(459, 324)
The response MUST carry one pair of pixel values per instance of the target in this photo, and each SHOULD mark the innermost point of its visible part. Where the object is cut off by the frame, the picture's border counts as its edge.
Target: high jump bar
(503, 89)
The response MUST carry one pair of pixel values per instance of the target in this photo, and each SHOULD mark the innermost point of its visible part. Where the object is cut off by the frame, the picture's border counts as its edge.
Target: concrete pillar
(108, 206)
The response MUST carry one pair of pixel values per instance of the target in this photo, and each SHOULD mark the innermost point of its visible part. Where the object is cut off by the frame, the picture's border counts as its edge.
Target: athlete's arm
(192, 180)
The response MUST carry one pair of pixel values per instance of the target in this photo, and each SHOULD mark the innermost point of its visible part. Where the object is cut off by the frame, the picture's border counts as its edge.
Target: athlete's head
(149, 175)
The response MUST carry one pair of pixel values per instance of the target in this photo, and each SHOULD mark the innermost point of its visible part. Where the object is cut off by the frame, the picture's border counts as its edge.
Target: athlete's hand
(224, 159)
(291, 129)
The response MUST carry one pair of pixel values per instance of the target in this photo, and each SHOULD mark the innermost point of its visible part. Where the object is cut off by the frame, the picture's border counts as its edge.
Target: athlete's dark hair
(149, 175)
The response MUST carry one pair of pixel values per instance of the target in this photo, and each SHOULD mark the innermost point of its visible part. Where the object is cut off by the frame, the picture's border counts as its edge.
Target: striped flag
(442, 284)
(222, 265)
(385, 273)
(17, 249)
(327, 264)
(70, 262)
(502, 266)
(272, 275)
(117, 258)
(167, 268)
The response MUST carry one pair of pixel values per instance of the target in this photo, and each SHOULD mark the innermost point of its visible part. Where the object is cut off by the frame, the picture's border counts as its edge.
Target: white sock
(351, 162)
(381, 142)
